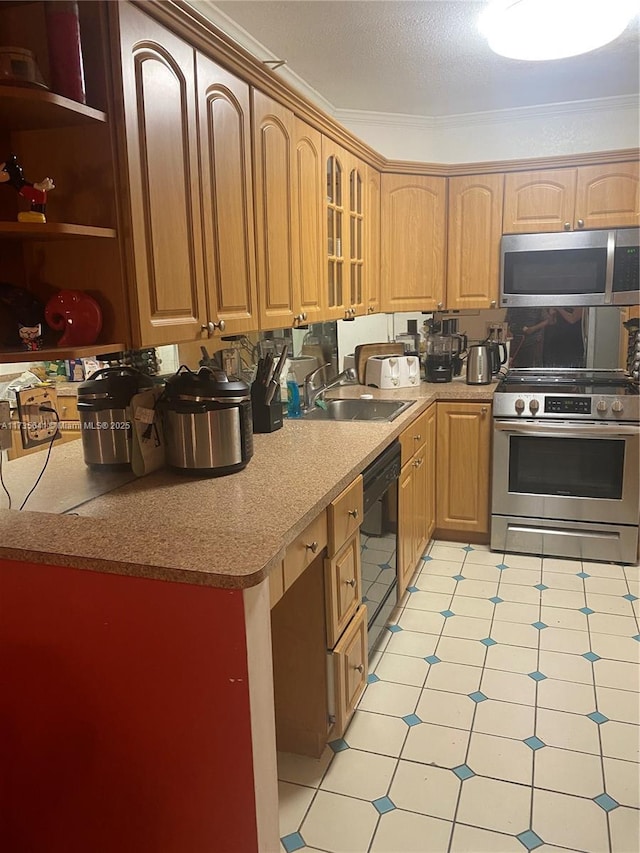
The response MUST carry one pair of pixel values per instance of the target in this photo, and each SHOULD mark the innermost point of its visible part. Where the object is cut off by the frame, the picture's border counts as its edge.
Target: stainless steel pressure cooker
(105, 415)
(208, 422)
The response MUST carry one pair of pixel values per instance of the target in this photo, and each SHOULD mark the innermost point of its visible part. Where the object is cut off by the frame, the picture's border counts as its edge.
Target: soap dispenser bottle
(293, 396)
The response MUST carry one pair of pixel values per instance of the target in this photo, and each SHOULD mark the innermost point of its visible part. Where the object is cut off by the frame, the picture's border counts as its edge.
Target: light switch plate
(37, 427)
(5, 426)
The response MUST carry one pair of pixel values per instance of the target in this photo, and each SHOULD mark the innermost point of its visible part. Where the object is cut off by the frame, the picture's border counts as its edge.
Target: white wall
(607, 124)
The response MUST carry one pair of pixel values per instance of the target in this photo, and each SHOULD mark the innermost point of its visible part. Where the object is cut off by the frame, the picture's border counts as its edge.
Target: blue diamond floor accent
(534, 742)
(583, 575)
(463, 772)
(412, 589)
(598, 718)
(383, 805)
(293, 842)
(371, 679)
(541, 587)
(606, 802)
(467, 548)
(477, 696)
(502, 566)
(537, 676)
(432, 659)
(539, 625)
(394, 628)
(412, 720)
(364, 599)
(630, 597)
(592, 656)
(339, 745)
(587, 611)
(496, 599)
(426, 559)
(459, 578)
(530, 840)
(488, 641)
(637, 638)
(447, 613)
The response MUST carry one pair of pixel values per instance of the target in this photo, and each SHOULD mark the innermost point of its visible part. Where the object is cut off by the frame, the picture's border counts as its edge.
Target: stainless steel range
(566, 464)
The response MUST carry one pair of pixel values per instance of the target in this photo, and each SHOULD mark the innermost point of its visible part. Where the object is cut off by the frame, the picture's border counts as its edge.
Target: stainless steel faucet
(315, 390)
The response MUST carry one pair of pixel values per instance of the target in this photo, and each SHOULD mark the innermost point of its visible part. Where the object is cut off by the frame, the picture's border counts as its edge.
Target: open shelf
(22, 108)
(51, 231)
(58, 353)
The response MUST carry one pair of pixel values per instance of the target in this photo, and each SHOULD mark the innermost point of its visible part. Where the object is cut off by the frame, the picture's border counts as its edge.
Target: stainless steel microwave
(570, 268)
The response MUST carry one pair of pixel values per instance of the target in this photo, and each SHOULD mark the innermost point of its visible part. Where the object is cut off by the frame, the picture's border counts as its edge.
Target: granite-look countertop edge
(225, 532)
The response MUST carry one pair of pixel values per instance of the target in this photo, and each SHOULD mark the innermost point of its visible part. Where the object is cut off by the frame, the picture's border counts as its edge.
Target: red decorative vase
(78, 314)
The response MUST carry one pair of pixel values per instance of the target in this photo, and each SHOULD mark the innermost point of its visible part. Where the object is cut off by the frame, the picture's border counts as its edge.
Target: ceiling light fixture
(553, 29)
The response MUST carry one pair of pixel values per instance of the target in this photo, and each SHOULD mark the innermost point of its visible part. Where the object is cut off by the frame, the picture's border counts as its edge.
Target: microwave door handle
(567, 430)
(608, 279)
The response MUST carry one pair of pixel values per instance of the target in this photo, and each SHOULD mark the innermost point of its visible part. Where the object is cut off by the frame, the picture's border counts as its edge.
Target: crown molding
(506, 116)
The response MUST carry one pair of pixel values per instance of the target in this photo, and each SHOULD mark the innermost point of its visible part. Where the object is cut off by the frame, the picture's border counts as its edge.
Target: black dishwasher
(379, 540)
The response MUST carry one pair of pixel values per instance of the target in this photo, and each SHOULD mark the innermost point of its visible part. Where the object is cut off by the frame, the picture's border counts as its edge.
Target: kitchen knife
(274, 382)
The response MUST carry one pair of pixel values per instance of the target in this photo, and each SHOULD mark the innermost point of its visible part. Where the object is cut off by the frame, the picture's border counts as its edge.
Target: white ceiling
(416, 58)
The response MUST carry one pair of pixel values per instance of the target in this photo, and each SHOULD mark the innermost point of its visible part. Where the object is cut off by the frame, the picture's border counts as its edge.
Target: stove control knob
(601, 406)
(519, 406)
(534, 405)
(617, 407)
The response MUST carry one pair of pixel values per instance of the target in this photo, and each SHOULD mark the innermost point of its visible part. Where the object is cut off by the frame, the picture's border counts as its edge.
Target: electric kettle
(479, 365)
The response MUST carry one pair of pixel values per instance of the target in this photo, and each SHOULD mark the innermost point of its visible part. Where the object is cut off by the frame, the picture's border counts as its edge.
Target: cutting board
(365, 351)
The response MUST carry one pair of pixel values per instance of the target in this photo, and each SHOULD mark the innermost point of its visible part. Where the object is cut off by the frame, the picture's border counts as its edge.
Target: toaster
(393, 371)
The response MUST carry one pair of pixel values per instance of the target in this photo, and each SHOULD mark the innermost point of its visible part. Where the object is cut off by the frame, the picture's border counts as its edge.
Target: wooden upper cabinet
(274, 129)
(413, 240)
(608, 196)
(605, 196)
(227, 199)
(356, 224)
(308, 256)
(539, 201)
(475, 228)
(372, 245)
(158, 80)
(336, 177)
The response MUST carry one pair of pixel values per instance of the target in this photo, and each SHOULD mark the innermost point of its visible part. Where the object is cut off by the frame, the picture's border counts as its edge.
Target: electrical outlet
(37, 427)
(5, 426)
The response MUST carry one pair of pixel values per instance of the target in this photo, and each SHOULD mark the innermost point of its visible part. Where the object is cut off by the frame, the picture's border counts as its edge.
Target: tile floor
(502, 714)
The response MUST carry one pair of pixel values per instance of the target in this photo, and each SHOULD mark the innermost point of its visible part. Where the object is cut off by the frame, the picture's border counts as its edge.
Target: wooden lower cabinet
(349, 659)
(463, 470)
(416, 494)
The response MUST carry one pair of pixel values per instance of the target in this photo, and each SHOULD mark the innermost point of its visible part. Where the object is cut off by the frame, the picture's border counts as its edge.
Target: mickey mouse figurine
(36, 194)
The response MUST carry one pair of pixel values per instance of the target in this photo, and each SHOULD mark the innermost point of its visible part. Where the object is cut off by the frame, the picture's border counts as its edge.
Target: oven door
(566, 470)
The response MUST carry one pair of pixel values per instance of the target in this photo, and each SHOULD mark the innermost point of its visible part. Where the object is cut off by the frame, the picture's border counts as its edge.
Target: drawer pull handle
(417, 437)
(313, 547)
(353, 513)
(359, 668)
(351, 582)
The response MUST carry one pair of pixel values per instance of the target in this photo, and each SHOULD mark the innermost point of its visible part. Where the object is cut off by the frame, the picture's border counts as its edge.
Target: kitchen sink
(359, 410)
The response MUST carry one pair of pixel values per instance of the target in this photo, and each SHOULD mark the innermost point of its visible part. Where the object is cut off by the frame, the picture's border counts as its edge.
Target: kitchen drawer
(345, 515)
(304, 550)
(342, 588)
(276, 584)
(413, 438)
(350, 670)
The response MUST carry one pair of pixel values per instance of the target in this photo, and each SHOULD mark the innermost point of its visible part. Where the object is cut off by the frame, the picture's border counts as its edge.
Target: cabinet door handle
(567, 226)
(417, 437)
(351, 582)
(493, 303)
(484, 410)
(370, 309)
(353, 513)
(312, 546)
(210, 326)
(300, 318)
(359, 668)
(580, 223)
(440, 305)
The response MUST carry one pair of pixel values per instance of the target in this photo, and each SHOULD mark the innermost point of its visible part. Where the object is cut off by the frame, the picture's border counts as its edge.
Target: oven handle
(579, 429)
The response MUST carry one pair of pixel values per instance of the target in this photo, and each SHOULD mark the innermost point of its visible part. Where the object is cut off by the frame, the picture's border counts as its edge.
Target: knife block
(266, 418)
